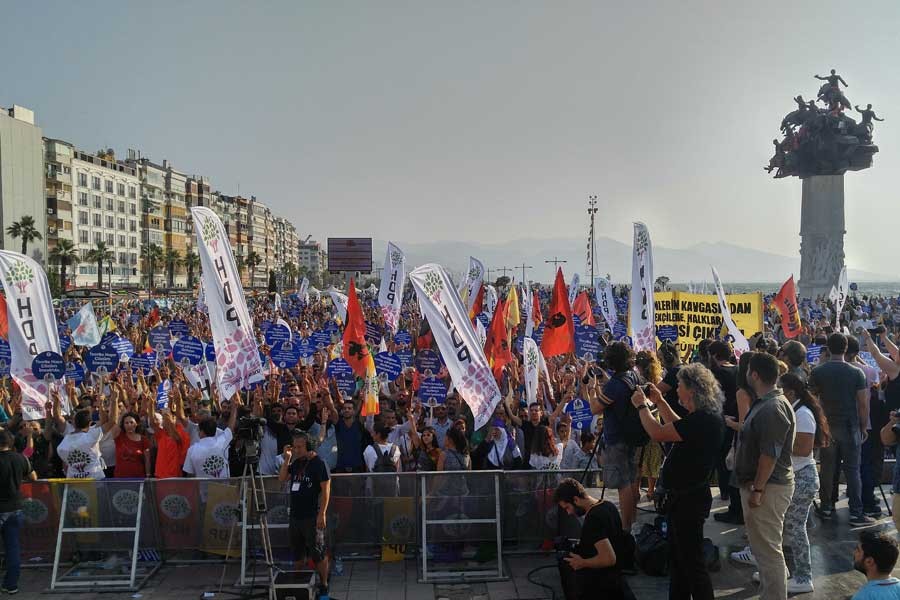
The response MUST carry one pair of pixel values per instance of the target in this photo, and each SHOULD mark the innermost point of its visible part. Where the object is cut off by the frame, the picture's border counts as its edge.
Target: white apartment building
(106, 209)
(22, 179)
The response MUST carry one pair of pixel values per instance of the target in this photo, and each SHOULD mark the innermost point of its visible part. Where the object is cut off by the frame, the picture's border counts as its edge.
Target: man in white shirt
(80, 449)
(208, 458)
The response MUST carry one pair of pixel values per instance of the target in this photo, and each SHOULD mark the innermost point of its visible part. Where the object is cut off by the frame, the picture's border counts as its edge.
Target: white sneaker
(745, 557)
(796, 587)
(756, 576)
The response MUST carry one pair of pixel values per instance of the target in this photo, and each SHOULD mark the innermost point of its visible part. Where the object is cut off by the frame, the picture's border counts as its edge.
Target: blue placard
(388, 364)
(869, 360)
(75, 372)
(65, 342)
(428, 363)
(285, 355)
(340, 368)
(5, 357)
(815, 314)
(620, 330)
(812, 353)
(580, 411)
(402, 337)
(109, 337)
(160, 339)
(587, 342)
(538, 334)
(104, 357)
(48, 364)
(321, 339)
(373, 333)
(346, 385)
(432, 391)
(405, 357)
(277, 333)
(188, 349)
(123, 347)
(144, 362)
(484, 319)
(576, 320)
(667, 333)
(519, 344)
(306, 347)
(179, 328)
(61, 328)
(162, 394)
(209, 352)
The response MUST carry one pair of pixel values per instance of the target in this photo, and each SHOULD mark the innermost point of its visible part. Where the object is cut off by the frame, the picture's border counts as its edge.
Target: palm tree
(190, 261)
(153, 255)
(253, 260)
(290, 272)
(171, 258)
(25, 229)
(101, 254)
(65, 254)
(241, 264)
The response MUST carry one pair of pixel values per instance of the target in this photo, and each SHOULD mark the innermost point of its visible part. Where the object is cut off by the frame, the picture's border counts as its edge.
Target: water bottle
(338, 566)
(320, 538)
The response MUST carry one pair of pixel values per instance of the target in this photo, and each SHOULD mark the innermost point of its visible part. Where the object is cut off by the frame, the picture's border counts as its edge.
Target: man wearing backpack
(623, 434)
(382, 457)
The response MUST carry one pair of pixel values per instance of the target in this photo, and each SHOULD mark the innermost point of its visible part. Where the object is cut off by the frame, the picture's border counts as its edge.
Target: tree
(101, 254)
(191, 262)
(290, 274)
(153, 256)
(662, 283)
(171, 258)
(502, 281)
(241, 265)
(64, 254)
(253, 260)
(24, 228)
(273, 283)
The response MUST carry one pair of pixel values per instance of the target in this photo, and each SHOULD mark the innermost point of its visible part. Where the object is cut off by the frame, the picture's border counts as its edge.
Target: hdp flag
(582, 308)
(786, 303)
(85, 331)
(355, 351)
(478, 305)
(513, 316)
(106, 325)
(559, 330)
(496, 348)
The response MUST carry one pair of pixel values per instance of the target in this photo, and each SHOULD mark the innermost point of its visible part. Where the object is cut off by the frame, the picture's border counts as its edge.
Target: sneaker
(729, 517)
(798, 587)
(744, 557)
(875, 513)
(861, 521)
(824, 513)
(9, 590)
(756, 576)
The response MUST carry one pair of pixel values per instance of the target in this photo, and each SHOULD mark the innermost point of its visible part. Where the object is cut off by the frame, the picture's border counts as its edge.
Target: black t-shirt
(691, 460)
(671, 397)
(14, 468)
(305, 483)
(727, 378)
(602, 522)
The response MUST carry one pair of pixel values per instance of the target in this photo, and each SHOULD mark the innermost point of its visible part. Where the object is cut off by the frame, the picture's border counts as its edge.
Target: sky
(477, 121)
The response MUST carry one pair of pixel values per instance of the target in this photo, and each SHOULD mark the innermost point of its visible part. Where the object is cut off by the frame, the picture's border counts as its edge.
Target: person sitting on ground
(875, 556)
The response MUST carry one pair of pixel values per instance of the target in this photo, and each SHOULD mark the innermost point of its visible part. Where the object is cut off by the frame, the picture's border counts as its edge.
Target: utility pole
(523, 266)
(503, 270)
(555, 262)
(591, 245)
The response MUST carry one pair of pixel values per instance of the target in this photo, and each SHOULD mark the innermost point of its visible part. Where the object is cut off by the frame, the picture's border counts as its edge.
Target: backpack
(652, 550)
(385, 461)
(633, 432)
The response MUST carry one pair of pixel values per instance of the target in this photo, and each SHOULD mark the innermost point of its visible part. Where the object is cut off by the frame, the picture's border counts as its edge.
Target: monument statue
(819, 146)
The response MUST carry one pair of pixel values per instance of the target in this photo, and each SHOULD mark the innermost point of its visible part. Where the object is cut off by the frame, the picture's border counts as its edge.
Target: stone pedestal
(821, 234)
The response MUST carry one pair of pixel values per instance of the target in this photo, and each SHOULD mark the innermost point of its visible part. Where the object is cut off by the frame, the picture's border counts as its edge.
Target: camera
(249, 433)
(562, 547)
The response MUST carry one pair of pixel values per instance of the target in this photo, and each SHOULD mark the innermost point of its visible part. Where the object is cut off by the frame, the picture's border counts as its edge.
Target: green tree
(662, 283)
(253, 260)
(64, 254)
(24, 228)
(101, 254)
(191, 262)
(171, 258)
(290, 274)
(153, 256)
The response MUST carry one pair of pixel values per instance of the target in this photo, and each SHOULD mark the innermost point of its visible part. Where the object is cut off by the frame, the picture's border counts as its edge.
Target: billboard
(350, 254)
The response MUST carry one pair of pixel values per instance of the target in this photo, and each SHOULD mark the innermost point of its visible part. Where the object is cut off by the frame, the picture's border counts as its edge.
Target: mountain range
(680, 265)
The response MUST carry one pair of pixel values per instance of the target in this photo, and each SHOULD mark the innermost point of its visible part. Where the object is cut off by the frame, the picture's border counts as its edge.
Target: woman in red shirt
(132, 446)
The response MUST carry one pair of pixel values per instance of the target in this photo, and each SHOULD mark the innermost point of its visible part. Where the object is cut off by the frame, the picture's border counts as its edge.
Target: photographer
(696, 439)
(592, 569)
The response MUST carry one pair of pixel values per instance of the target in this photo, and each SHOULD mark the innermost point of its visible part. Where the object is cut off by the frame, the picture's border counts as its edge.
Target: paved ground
(832, 545)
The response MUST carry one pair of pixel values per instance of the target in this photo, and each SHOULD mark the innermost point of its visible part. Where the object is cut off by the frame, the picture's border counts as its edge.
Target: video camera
(248, 434)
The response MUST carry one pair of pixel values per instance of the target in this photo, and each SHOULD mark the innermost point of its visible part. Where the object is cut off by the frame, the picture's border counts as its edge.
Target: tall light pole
(555, 262)
(523, 266)
(591, 245)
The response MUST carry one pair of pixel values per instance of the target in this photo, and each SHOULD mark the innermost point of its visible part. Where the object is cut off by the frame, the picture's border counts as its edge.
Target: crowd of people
(752, 424)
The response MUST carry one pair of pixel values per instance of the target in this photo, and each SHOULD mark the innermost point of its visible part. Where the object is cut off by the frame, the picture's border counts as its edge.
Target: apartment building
(58, 189)
(22, 179)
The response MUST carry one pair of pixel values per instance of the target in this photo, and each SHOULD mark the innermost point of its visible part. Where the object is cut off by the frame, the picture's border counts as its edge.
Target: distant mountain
(734, 263)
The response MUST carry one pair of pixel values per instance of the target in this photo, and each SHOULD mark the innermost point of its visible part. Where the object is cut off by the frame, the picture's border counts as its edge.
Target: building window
(109, 187)
(133, 257)
(97, 201)
(132, 192)
(97, 221)
(132, 209)
(121, 224)
(82, 217)
(110, 239)
(132, 242)
(123, 258)
(110, 222)
(132, 225)
(122, 206)
(95, 183)
(82, 179)
(83, 236)
(83, 198)
(120, 189)
(98, 237)
(109, 204)
(122, 240)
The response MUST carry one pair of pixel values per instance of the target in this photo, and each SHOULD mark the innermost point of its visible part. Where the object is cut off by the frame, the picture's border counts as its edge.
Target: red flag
(4, 321)
(786, 303)
(478, 305)
(154, 317)
(559, 331)
(536, 308)
(496, 347)
(355, 349)
(582, 308)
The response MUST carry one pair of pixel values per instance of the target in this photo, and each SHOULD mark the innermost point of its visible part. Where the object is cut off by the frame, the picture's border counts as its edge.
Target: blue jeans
(10, 525)
(843, 453)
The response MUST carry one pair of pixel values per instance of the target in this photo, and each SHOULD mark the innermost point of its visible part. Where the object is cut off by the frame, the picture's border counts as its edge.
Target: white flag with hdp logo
(32, 327)
(456, 339)
(642, 322)
(237, 356)
(605, 300)
(393, 278)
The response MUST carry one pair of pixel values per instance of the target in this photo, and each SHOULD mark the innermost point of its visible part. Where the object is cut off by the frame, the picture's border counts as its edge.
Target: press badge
(295, 487)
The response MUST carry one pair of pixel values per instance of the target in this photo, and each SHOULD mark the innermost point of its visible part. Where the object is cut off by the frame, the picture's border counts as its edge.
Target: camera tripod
(252, 482)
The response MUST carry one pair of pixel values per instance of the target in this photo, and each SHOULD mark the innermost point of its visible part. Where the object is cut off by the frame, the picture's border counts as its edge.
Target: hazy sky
(420, 120)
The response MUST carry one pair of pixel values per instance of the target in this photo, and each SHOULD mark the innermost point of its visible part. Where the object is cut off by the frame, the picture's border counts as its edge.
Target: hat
(794, 351)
